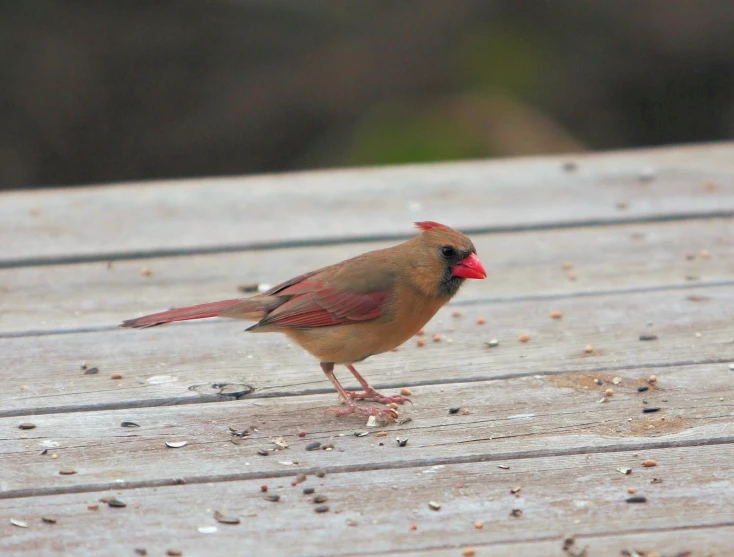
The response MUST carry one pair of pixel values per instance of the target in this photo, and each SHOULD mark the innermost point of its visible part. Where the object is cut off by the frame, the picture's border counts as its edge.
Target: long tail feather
(201, 311)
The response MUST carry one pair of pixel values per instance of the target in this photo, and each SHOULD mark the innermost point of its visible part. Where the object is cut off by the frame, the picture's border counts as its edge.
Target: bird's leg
(352, 407)
(369, 393)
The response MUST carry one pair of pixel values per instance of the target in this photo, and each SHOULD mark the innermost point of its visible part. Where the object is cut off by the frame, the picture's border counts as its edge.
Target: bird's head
(448, 256)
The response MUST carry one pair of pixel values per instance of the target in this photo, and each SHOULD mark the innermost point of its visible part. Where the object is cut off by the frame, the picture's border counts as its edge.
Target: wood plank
(179, 363)
(183, 216)
(579, 494)
(524, 417)
(524, 264)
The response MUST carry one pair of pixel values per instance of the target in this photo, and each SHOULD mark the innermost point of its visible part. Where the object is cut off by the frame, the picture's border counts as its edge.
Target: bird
(367, 305)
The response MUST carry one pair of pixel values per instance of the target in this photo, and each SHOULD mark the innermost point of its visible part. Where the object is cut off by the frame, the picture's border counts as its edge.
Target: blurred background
(103, 91)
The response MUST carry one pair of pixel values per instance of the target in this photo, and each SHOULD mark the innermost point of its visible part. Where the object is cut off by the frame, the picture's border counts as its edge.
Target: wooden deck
(533, 456)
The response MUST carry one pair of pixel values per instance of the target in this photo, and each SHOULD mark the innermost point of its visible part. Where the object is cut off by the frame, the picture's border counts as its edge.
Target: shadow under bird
(347, 312)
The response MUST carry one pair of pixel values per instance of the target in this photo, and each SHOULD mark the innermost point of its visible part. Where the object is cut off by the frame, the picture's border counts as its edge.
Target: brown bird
(355, 309)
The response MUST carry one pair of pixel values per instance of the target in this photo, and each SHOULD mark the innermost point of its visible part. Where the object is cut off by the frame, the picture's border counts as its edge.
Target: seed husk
(493, 343)
(263, 452)
(308, 490)
(402, 442)
(650, 410)
(313, 446)
(224, 519)
(48, 519)
(517, 513)
(140, 551)
(129, 424)
(320, 499)
(18, 523)
(91, 371)
(174, 552)
(320, 473)
(649, 463)
(116, 376)
(642, 389)
(454, 410)
(272, 498)
(26, 425)
(176, 444)
(405, 391)
(625, 471)
(637, 499)
(116, 503)
(322, 509)
(67, 471)
(648, 337)
(434, 506)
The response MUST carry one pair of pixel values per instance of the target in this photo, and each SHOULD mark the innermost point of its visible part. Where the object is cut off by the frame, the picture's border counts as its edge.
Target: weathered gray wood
(214, 214)
(578, 494)
(42, 374)
(521, 264)
(521, 418)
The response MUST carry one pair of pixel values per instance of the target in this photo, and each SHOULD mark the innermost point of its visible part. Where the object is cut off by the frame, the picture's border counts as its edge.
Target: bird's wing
(313, 304)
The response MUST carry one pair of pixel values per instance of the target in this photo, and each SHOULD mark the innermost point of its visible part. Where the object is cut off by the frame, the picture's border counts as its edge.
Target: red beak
(469, 267)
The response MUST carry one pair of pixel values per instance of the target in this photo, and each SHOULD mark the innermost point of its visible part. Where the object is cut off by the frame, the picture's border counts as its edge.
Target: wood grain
(187, 216)
(520, 418)
(577, 494)
(521, 265)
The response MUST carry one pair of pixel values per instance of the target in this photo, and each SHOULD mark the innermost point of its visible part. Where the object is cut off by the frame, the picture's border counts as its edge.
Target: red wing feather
(315, 306)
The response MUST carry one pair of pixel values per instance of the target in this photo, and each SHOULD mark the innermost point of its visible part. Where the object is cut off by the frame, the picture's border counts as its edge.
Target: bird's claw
(371, 394)
(385, 413)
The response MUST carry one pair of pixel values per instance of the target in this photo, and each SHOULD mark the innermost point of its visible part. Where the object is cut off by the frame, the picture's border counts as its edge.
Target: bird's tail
(252, 308)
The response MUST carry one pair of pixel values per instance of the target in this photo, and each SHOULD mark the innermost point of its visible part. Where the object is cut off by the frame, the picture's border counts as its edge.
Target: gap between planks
(42, 261)
(368, 467)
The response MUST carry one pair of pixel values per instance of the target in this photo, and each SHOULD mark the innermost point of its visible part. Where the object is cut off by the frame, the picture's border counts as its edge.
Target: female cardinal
(355, 309)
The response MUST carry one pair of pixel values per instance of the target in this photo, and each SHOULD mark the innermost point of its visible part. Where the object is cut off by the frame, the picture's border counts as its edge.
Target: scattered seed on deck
(93, 507)
(412, 527)
(320, 473)
(609, 392)
(313, 446)
(649, 463)
(146, 272)
(434, 506)
(67, 471)
(647, 175)
(401, 442)
(248, 287)
(656, 481)
(381, 434)
(648, 337)
(516, 513)
(637, 499)
(48, 519)
(351, 522)
(403, 421)
(650, 409)
(300, 478)
(320, 499)
(436, 337)
(129, 424)
(140, 551)
(616, 380)
(308, 490)
(421, 332)
(652, 379)
(91, 371)
(731, 367)
(589, 349)
(226, 519)
(263, 452)
(264, 488)
(116, 503)
(503, 467)
(322, 509)
(478, 525)
(493, 343)
(272, 498)
(116, 376)
(469, 552)
(555, 314)
(481, 320)
(515, 490)
(625, 471)
(420, 342)
(571, 275)
(174, 552)
(454, 410)
(176, 444)
(26, 425)
(405, 391)
(642, 389)
(18, 523)
(569, 166)
(361, 433)
(524, 338)
(456, 313)
(631, 490)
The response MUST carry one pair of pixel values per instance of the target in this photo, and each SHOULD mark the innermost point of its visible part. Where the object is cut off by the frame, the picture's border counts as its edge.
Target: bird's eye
(448, 251)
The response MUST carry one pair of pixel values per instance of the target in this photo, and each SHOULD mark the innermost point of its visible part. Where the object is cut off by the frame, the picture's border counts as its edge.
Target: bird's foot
(387, 414)
(371, 394)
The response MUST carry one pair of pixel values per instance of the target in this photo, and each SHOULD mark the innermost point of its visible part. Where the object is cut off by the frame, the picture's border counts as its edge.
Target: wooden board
(511, 419)
(179, 363)
(194, 216)
(520, 265)
(580, 494)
